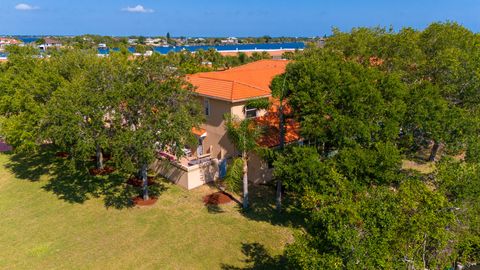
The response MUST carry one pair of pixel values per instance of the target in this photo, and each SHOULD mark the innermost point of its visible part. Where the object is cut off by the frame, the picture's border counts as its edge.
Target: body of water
(224, 48)
(28, 39)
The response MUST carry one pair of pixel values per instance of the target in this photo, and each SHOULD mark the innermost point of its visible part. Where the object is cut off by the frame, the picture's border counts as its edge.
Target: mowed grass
(40, 230)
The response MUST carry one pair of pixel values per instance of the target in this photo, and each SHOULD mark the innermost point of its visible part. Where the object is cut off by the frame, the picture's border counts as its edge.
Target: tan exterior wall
(215, 127)
(218, 139)
(258, 171)
(217, 136)
(187, 177)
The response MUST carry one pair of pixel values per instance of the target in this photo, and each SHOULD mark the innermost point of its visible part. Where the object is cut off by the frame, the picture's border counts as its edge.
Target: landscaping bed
(217, 198)
(136, 182)
(139, 201)
(105, 171)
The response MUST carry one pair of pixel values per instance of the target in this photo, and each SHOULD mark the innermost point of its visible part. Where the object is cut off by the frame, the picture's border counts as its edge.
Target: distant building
(8, 41)
(321, 42)
(230, 40)
(154, 42)
(102, 46)
(50, 43)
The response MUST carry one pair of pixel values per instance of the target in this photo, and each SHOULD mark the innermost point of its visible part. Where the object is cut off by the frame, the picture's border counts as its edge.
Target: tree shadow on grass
(214, 209)
(30, 166)
(262, 208)
(74, 185)
(258, 258)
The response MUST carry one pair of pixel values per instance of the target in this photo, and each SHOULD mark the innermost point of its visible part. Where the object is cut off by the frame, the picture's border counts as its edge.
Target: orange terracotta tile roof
(198, 131)
(239, 83)
(270, 124)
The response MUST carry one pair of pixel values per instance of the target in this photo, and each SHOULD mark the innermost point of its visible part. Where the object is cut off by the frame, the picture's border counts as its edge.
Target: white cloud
(138, 9)
(23, 6)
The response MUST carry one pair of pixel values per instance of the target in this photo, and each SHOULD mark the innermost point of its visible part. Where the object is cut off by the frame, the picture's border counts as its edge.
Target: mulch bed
(139, 201)
(62, 154)
(106, 157)
(134, 181)
(105, 171)
(217, 198)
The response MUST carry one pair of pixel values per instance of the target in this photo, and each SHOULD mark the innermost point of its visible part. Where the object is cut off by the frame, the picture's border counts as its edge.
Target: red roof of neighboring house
(51, 41)
(239, 83)
(9, 41)
(270, 123)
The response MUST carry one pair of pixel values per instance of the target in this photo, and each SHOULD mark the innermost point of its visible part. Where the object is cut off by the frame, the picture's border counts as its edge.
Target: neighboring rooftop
(245, 82)
(270, 124)
(52, 41)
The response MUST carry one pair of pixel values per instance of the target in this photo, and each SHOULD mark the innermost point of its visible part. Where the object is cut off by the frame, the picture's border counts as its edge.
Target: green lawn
(65, 225)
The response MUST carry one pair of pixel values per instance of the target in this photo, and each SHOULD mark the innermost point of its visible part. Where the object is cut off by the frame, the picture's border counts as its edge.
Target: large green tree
(156, 112)
(407, 225)
(78, 118)
(26, 85)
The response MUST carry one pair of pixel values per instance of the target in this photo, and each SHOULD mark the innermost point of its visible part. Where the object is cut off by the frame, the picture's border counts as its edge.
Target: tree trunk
(245, 181)
(145, 182)
(282, 145)
(433, 154)
(279, 195)
(99, 155)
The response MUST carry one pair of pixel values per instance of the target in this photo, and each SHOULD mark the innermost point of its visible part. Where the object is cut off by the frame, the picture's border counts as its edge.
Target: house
(223, 92)
(230, 40)
(50, 43)
(8, 41)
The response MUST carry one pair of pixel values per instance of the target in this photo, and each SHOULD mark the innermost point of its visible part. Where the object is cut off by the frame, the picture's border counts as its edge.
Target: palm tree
(244, 135)
(278, 91)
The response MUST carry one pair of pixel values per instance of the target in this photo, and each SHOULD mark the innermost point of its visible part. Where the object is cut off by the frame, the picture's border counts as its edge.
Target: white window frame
(247, 110)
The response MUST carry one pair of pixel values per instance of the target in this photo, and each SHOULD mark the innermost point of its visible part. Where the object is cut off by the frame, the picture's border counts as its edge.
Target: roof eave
(233, 100)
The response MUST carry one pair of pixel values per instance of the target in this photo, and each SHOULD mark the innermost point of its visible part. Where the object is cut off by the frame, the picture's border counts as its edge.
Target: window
(250, 112)
(206, 106)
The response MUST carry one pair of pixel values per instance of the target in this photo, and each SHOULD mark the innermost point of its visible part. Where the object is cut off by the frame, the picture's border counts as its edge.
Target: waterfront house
(8, 41)
(50, 43)
(230, 40)
(223, 92)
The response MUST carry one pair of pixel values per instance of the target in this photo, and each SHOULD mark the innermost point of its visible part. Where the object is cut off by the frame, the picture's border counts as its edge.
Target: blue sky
(225, 17)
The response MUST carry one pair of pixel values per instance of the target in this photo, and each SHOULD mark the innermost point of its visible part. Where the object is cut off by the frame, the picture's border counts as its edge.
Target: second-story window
(206, 106)
(250, 112)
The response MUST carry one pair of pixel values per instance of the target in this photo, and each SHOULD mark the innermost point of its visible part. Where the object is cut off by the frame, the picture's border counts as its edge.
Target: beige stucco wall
(258, 171)
(219, 142)
(187, 177)
(215, 126)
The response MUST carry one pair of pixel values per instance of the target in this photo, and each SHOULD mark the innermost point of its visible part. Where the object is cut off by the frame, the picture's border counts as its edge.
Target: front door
(222, 168)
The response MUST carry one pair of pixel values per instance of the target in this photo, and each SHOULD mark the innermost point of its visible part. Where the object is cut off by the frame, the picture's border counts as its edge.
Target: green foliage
(372, 227)
(377, 165)
(233, 179)
(460, 182)
(473, 150)
(260, 103)
(243, 133)
(367, 97)
(156, 113)
(342, 103)
(78, 114)
(26, 85)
